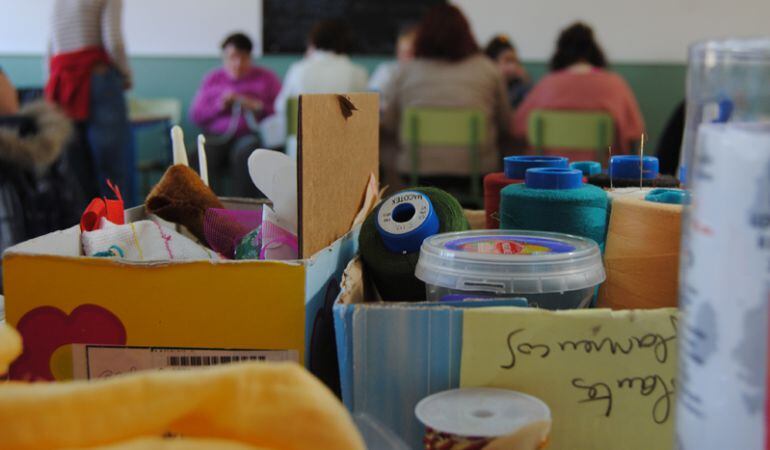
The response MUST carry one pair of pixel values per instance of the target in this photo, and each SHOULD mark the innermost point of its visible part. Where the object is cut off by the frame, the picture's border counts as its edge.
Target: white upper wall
(628, 30)
(152, 27)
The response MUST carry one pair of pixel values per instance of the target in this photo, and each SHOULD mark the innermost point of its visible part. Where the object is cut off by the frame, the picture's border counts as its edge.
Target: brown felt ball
(181, 197)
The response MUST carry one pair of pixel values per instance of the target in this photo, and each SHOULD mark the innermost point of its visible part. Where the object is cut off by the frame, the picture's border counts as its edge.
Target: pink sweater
(594, 90)
(207, 110)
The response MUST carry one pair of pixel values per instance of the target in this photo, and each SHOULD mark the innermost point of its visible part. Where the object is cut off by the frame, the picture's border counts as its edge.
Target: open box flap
(338, 152)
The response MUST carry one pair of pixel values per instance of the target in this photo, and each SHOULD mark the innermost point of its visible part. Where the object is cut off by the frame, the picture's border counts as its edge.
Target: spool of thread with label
(633, 171)
(642, 252)
(475, 418)
(392, 234)
(515, 167)
(555, 200)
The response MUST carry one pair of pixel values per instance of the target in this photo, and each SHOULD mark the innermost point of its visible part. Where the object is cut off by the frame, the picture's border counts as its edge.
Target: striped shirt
(79, 24)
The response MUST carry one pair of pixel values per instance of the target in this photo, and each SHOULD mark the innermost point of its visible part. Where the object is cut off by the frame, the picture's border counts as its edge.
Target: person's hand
(227, 100)
(252, 104)
(127, 84)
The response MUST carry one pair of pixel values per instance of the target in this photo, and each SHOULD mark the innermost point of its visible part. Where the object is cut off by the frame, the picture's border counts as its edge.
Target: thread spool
(555, 200)
(515, 168)
(633, 171)
(390, 249)
(642, 253)
(588, 168)
(475, 418)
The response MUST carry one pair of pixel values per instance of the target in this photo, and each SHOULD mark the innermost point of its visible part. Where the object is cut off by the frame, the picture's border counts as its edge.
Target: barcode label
(194, 361)
(104, 361)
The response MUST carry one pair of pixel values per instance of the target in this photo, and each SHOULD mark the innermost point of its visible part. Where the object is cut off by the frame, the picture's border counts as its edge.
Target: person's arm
(632, 123)
(9, 99)
(208, 103)
(112, 36)
(271, 93)
(361, 80)
(290, 88)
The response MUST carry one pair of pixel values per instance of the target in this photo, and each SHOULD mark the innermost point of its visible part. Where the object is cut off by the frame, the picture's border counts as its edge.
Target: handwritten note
(608, 376)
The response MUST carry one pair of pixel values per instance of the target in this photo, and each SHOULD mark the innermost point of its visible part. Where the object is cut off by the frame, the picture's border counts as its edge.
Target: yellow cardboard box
(97, 317)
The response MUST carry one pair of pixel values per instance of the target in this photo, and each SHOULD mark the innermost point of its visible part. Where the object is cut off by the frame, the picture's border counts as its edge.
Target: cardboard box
(78, 313)
(392, 355)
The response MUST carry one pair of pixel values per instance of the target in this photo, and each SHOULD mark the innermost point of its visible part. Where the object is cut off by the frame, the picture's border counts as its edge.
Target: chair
(292, 116)
(145, 113)
(568, 133)
(446, 127)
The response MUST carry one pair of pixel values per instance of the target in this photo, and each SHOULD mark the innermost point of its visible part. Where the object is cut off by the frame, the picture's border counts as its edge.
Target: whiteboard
(151, 27)
(628, 30)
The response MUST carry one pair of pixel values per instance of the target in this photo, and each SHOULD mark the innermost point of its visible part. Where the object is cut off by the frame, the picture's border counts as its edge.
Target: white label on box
(104, 361)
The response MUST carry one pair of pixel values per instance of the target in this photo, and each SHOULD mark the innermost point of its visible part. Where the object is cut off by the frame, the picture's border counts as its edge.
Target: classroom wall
(658, 87)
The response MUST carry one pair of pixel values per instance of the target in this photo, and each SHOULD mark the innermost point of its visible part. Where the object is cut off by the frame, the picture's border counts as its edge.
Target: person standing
(230, 102)
(89, 73)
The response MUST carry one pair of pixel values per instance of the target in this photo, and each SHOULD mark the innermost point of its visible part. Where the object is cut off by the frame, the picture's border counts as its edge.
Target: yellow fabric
(10, 346)
(173, 444)
(276, 406)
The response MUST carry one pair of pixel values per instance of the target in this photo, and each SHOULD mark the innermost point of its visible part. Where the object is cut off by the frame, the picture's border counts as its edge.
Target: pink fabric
(207, 110)
(595, 90)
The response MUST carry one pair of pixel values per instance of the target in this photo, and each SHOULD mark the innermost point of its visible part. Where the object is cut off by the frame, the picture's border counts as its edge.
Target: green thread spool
(393, 273)
(555, 200)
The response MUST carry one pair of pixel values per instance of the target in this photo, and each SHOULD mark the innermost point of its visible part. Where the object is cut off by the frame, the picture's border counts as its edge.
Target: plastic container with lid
(550, 270)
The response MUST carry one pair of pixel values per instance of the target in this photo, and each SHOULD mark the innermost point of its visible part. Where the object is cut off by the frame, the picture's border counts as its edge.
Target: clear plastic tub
(550, 270)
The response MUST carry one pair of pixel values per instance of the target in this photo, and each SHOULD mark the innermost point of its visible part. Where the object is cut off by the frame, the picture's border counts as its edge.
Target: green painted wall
(658, 87)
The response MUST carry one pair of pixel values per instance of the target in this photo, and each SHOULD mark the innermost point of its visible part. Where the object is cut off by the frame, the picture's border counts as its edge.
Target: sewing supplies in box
(206, 230)
(550, 270)
(475, 418)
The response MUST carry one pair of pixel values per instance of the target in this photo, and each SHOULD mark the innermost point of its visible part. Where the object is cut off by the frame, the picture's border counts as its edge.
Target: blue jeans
(109, 135)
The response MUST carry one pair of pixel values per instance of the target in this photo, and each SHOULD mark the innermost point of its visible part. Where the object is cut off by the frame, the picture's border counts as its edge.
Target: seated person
(385, 71)
(503, 53)
(580, 81)
(325, 69)
(228, 106)
(449, 71)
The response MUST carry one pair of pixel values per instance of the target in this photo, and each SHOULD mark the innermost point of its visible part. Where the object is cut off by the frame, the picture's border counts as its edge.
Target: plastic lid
(515, 167)
(481, 412)
(587, 167)
(554, 178)
(627, 166)
(404, 220)
(510, 262)
(670, 196)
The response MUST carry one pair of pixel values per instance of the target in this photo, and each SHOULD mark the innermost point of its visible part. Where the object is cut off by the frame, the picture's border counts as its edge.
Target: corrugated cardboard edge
(336, 155)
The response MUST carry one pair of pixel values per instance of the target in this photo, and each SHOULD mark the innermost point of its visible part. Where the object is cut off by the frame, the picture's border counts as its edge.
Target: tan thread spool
(641, 256)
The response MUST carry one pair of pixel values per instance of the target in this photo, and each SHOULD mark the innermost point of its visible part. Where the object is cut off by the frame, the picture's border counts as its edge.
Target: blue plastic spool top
(554, 178)
(515, 167)
(405, 220)
(670, 196)
(587, 167)
(628, 166)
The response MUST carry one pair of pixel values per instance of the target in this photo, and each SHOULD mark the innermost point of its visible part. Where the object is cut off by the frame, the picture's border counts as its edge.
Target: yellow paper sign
(608, 376)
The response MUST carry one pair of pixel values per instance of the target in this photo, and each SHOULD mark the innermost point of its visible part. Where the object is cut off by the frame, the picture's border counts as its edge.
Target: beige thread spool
(641, 255)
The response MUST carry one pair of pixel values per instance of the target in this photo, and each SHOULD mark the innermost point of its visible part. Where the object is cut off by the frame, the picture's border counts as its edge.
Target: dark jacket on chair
(38, 194)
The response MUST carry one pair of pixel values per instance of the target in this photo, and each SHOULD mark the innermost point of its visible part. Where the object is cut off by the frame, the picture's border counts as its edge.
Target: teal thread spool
(555, 200)
(393, 271)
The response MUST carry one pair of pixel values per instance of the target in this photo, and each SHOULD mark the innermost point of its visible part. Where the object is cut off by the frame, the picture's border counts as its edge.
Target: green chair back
(446, 127)
(292, 116)
(570, 131)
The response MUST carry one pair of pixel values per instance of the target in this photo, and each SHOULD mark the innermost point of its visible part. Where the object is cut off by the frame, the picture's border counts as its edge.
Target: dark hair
(240, 41)
(576, 43)
(497, 45)
(444, 33)
(332, 35)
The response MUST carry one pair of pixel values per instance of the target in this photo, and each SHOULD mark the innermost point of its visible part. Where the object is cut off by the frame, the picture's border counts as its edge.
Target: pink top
(596, 89)
(207, 110)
